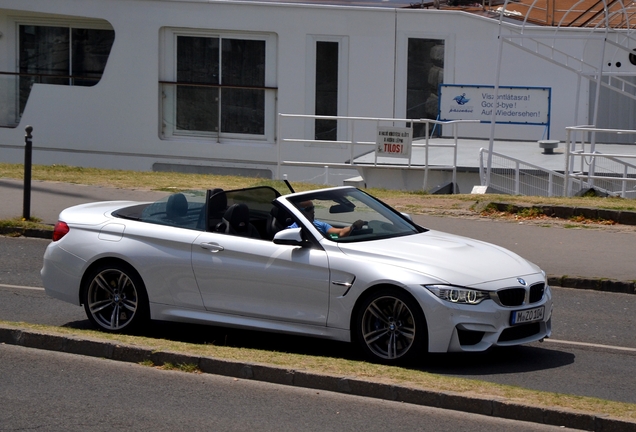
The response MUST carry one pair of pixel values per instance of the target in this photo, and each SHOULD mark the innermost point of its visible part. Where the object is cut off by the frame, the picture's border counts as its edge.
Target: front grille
(512, 296)
(469, 337)
(536, 292)
(520, 332)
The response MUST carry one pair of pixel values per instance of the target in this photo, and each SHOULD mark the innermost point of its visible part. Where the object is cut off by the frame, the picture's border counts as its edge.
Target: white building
(198, 84)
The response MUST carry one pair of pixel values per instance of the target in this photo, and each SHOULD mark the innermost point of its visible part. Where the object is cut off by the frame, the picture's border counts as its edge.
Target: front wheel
(390, 327)
(115, 298)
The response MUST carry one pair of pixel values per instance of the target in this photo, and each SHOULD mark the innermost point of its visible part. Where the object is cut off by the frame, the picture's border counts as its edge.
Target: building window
(220, 87)
(327, 54)
(62, 56)
(425, 72)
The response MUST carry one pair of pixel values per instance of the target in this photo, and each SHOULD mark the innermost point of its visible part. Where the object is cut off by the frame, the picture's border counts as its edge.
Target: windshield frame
(341, 207)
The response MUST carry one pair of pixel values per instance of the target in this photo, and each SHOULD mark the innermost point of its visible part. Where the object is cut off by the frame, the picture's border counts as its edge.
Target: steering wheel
(361, 231)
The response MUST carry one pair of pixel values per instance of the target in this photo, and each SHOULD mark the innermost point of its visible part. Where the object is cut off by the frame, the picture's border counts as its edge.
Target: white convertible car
(333, 263)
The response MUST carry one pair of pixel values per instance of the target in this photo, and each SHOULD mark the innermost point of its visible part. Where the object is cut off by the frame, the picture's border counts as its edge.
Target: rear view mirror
(341, 208)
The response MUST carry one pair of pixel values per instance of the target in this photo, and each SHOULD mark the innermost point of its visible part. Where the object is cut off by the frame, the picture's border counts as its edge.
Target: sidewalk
(48, 199)
(575, 258)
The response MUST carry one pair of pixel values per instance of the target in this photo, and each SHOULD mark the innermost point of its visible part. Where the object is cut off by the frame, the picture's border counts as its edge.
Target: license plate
(526, 316)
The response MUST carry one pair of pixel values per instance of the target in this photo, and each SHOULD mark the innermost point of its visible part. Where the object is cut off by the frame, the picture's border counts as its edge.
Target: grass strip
(416, 201)
(353, 369)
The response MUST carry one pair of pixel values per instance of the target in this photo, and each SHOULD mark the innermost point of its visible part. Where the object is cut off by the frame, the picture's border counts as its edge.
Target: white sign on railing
(394, 141)
(514, 105)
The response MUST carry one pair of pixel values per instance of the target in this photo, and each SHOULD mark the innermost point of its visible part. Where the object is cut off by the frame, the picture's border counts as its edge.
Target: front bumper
(469, 328)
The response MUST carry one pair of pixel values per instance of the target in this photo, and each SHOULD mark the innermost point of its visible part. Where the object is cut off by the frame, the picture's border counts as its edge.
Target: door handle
(212, 247)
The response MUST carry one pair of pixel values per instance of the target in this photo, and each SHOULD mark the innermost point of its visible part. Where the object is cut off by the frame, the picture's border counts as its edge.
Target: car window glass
(341, 208)
(182, 210)
(259, 202)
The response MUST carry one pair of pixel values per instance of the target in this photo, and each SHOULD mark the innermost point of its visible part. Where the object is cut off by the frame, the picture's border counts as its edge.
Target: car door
(259, 279)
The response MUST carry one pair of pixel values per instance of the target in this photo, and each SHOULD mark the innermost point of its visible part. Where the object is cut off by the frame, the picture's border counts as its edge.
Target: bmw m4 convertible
(333, 263)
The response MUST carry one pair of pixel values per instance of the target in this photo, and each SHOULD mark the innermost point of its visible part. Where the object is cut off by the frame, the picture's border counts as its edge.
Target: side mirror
(289, 236)
(408, 216)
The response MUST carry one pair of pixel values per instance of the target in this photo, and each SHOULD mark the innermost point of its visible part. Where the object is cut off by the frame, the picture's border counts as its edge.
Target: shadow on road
(497, 361)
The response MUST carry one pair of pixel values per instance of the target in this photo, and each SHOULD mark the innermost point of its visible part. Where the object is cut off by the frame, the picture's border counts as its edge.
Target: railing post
(426, 145)
(28, 154)
(482, 177)
(566, 171)
(278, 144)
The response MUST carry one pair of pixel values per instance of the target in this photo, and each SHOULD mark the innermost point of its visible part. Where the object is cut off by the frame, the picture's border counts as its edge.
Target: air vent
(536, 292)
(519, 332)
(512, 296)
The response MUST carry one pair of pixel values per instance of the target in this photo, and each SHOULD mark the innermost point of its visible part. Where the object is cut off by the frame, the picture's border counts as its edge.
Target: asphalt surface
(590, 255)
(51, 391)
(586, 258)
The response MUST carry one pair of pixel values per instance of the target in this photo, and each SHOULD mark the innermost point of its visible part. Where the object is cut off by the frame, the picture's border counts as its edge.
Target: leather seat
(277, 220)
(236, 221)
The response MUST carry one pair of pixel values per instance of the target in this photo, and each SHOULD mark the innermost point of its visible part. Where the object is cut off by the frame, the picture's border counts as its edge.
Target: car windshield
(341, 208)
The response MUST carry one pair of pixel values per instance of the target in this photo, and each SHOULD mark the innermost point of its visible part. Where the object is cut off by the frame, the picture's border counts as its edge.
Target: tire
(390, 327)
(115, 298)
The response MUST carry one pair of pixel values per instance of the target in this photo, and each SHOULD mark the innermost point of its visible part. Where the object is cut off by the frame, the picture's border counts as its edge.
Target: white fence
(516, 177)
(358, 146)
(584, 168)
(610, 173)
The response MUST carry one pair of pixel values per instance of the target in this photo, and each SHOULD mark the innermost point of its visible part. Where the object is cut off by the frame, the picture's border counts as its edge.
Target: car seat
(217, 207)
(277, 220)
(236, 221)
(176, 207)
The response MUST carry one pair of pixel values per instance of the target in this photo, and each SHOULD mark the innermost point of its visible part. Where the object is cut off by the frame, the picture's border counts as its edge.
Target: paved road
(580, 315)
(589, 253)
(559, 251)
(52, 391)
(587, 317)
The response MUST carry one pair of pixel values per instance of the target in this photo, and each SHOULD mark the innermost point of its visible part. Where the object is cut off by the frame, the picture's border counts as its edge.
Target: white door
(259, 279)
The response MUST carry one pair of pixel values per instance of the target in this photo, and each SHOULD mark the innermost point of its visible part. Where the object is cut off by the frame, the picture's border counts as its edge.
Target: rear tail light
(60, 230)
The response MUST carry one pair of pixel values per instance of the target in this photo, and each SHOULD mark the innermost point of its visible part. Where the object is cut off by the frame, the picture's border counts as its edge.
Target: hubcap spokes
(388, 327)
(112, 299)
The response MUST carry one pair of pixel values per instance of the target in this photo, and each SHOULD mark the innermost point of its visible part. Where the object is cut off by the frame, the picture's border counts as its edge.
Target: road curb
(26, 232)
(298, 378)
(623, 217)
(594, 284)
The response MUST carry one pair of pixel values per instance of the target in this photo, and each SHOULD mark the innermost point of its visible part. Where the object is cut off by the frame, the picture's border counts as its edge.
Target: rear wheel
(390, 327)
(115, 298)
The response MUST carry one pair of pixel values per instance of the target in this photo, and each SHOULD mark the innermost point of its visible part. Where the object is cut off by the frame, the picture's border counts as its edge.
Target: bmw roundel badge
(521, 281)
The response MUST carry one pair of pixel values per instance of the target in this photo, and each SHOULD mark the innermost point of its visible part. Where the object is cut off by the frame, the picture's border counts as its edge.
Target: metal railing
(607, 172)
(358, 148)
(516, 177)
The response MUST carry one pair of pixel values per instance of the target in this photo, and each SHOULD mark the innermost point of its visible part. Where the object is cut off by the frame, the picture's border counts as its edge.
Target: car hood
(451, 259)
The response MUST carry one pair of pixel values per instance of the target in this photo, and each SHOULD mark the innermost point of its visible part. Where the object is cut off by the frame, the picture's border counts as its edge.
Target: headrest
(238, 217)
(218, 200)
(177, 206)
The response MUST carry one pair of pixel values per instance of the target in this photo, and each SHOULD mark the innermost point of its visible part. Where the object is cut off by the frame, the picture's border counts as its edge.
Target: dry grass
(352, 369)
(412, 202)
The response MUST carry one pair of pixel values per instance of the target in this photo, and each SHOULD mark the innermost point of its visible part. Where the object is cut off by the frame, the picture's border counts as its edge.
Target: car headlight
(459, 295)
